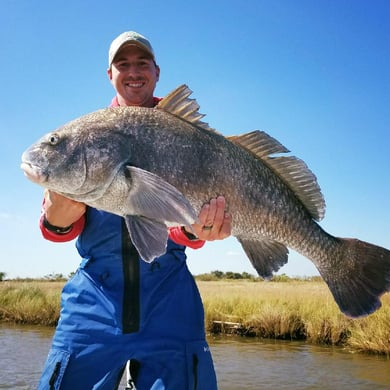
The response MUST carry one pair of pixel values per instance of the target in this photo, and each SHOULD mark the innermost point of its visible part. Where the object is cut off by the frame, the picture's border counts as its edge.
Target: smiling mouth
(135, 84)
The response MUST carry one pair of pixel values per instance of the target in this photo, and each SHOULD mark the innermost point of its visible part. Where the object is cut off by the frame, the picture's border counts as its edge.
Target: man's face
(134, 75)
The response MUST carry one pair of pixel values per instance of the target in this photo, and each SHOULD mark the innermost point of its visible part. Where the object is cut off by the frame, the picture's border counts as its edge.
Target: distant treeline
(211, 276)
(220, 275)
(53, 277)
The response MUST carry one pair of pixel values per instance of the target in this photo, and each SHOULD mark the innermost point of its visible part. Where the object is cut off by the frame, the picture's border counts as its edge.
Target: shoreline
(291, 310)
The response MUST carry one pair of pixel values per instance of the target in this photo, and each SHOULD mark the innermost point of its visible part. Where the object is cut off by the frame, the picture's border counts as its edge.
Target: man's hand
(214, 221)
(61, 211)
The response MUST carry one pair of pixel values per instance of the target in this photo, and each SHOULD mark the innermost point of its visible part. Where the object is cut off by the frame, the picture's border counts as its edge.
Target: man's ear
(109, 74)
(157, 73)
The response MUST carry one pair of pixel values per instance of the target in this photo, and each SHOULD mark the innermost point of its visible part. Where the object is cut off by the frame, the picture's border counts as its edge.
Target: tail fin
(361, 277)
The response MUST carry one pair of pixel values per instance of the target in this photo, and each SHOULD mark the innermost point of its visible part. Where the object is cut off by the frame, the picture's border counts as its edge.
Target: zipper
(131, 284)
(195, 362)
(54, 376)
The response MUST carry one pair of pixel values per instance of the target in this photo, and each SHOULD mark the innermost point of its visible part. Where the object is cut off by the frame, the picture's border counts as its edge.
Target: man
(117, 307)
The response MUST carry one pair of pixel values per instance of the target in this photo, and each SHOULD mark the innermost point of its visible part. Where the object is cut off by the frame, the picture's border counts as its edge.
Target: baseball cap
(129, 38)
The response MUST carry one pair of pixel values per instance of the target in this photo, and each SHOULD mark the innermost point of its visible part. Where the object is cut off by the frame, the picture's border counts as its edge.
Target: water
(23, 351)
(240, 363)
(250, 364)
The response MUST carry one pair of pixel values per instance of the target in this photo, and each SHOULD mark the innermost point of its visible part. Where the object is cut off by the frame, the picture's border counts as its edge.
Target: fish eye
(53, 139)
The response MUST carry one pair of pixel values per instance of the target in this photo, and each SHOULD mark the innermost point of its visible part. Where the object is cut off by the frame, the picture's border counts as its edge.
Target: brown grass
(294, 310)
(36, 303)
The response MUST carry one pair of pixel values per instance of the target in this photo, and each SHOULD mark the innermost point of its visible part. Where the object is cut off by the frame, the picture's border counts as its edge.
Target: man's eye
(122, 65)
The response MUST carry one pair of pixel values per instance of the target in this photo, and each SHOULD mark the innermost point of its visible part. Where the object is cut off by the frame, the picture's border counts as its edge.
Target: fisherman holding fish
(146, 167)
(117, 308)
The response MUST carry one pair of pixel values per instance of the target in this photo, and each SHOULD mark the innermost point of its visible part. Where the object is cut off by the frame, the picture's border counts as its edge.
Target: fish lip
(33, 172)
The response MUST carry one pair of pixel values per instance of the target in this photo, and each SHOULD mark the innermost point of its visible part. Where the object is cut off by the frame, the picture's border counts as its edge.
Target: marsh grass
(372, 334)
(295, 310)
(289, 310)
(36, 303)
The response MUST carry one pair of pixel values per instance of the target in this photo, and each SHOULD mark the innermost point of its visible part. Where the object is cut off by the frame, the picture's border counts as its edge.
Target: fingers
(61, 211)
(208, 213)
(226, 228)
(214, 221)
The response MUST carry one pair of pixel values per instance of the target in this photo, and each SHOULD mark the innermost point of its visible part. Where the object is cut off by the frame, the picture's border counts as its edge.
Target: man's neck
(115, 102)
(148, 103)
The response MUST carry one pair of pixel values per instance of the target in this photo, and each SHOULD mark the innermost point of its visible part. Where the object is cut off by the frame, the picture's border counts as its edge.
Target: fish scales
(157, 167)
(254, 193)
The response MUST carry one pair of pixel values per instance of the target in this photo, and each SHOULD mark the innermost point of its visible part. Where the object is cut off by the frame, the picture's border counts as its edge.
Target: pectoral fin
(266, 256)
(148, 236)
(154, 198)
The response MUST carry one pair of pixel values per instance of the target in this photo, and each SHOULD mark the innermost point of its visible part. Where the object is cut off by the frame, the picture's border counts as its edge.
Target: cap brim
(140, 46)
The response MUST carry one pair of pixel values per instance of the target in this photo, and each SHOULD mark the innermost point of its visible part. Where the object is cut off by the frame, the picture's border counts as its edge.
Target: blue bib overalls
(118, 307)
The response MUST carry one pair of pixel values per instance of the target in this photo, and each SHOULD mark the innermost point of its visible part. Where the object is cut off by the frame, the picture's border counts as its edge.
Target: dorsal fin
(179, 104)
(293, 171)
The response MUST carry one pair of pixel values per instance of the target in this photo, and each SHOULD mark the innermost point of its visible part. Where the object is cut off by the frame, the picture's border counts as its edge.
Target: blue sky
(314, 74)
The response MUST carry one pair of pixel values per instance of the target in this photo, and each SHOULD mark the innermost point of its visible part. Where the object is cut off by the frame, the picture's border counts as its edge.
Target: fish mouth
(33, 172)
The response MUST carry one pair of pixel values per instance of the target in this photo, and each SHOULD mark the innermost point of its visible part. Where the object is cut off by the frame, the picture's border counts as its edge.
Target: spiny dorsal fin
(293, 171)
(179, 104)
